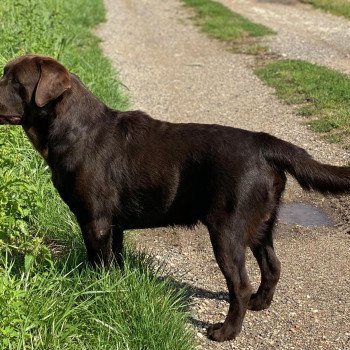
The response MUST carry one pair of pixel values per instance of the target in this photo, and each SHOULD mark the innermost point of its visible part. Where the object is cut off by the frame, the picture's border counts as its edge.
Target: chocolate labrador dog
(124, 170)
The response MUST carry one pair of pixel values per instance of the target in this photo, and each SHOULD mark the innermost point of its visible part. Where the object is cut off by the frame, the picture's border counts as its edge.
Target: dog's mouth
(10, 119)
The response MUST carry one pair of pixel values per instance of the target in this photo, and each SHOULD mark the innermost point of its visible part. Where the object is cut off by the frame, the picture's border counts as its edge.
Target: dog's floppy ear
(54, 81)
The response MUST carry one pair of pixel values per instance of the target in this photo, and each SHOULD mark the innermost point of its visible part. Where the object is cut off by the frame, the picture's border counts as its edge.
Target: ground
(175, 73)
(302, 32)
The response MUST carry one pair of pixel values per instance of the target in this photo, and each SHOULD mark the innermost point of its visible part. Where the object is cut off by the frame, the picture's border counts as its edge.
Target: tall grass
(77, 308)
(48, 299)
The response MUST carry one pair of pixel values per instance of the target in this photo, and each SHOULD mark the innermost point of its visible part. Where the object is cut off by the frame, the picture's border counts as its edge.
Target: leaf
(28, 262)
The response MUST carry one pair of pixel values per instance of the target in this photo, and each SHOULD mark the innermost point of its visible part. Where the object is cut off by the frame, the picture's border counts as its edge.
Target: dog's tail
(310, 174)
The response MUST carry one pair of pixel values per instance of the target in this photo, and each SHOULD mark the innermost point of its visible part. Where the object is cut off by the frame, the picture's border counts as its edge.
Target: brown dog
(125, 170)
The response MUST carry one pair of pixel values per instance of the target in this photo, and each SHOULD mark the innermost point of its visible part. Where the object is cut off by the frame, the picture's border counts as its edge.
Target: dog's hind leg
(270, 268)
(231, 231)
(263, 250)
(229, 249)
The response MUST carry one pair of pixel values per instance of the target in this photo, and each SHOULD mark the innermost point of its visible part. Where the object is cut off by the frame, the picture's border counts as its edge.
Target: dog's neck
(74, 126)
(36, 125)
(78, 102)
(72, 108)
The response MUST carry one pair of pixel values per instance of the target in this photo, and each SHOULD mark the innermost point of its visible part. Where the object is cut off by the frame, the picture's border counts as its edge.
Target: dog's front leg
(98, 240)
(117, 245)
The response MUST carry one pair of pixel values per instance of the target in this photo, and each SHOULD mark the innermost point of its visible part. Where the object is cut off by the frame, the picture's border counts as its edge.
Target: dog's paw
(220, 332)
(258, 303)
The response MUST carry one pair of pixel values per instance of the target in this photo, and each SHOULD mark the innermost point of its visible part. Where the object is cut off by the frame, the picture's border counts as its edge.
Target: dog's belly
(158, 218)
(158, 213)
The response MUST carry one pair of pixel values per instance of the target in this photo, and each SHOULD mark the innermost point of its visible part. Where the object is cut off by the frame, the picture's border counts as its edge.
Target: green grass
(221, 23)
(322, 93)
(336, 7)
(65, 308)
(49, 300)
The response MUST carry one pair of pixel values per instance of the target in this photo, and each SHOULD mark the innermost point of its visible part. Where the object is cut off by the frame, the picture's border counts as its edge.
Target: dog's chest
(38, 140)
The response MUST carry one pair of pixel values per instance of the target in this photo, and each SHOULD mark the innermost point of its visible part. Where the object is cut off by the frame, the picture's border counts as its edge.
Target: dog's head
(30, 80)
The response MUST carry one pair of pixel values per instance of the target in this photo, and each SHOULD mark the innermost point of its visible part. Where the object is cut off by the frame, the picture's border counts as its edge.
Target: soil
(175, 73)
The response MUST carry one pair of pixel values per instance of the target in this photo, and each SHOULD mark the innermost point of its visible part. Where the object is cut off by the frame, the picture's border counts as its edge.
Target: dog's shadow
(189, 293)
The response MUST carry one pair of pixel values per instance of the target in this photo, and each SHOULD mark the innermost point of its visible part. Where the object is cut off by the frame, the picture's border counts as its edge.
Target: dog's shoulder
(137, 122)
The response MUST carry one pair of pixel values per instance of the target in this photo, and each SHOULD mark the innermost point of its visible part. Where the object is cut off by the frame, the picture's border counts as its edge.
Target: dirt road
(175, 73)
(301, 31)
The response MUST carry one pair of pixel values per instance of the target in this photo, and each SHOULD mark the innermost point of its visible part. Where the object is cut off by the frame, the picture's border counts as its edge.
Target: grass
(77, 308)
(336, 7)
(221, 23)
(49, 300)
(322, 93)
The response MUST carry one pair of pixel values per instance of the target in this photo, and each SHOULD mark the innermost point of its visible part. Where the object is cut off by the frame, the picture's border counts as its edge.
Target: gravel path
(302, 32)
(175, 73)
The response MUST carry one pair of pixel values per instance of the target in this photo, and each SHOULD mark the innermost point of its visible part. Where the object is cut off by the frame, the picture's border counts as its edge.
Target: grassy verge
(322, 93)
(221, 23)
(336, 7)
(47, 300)
(65, 308)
